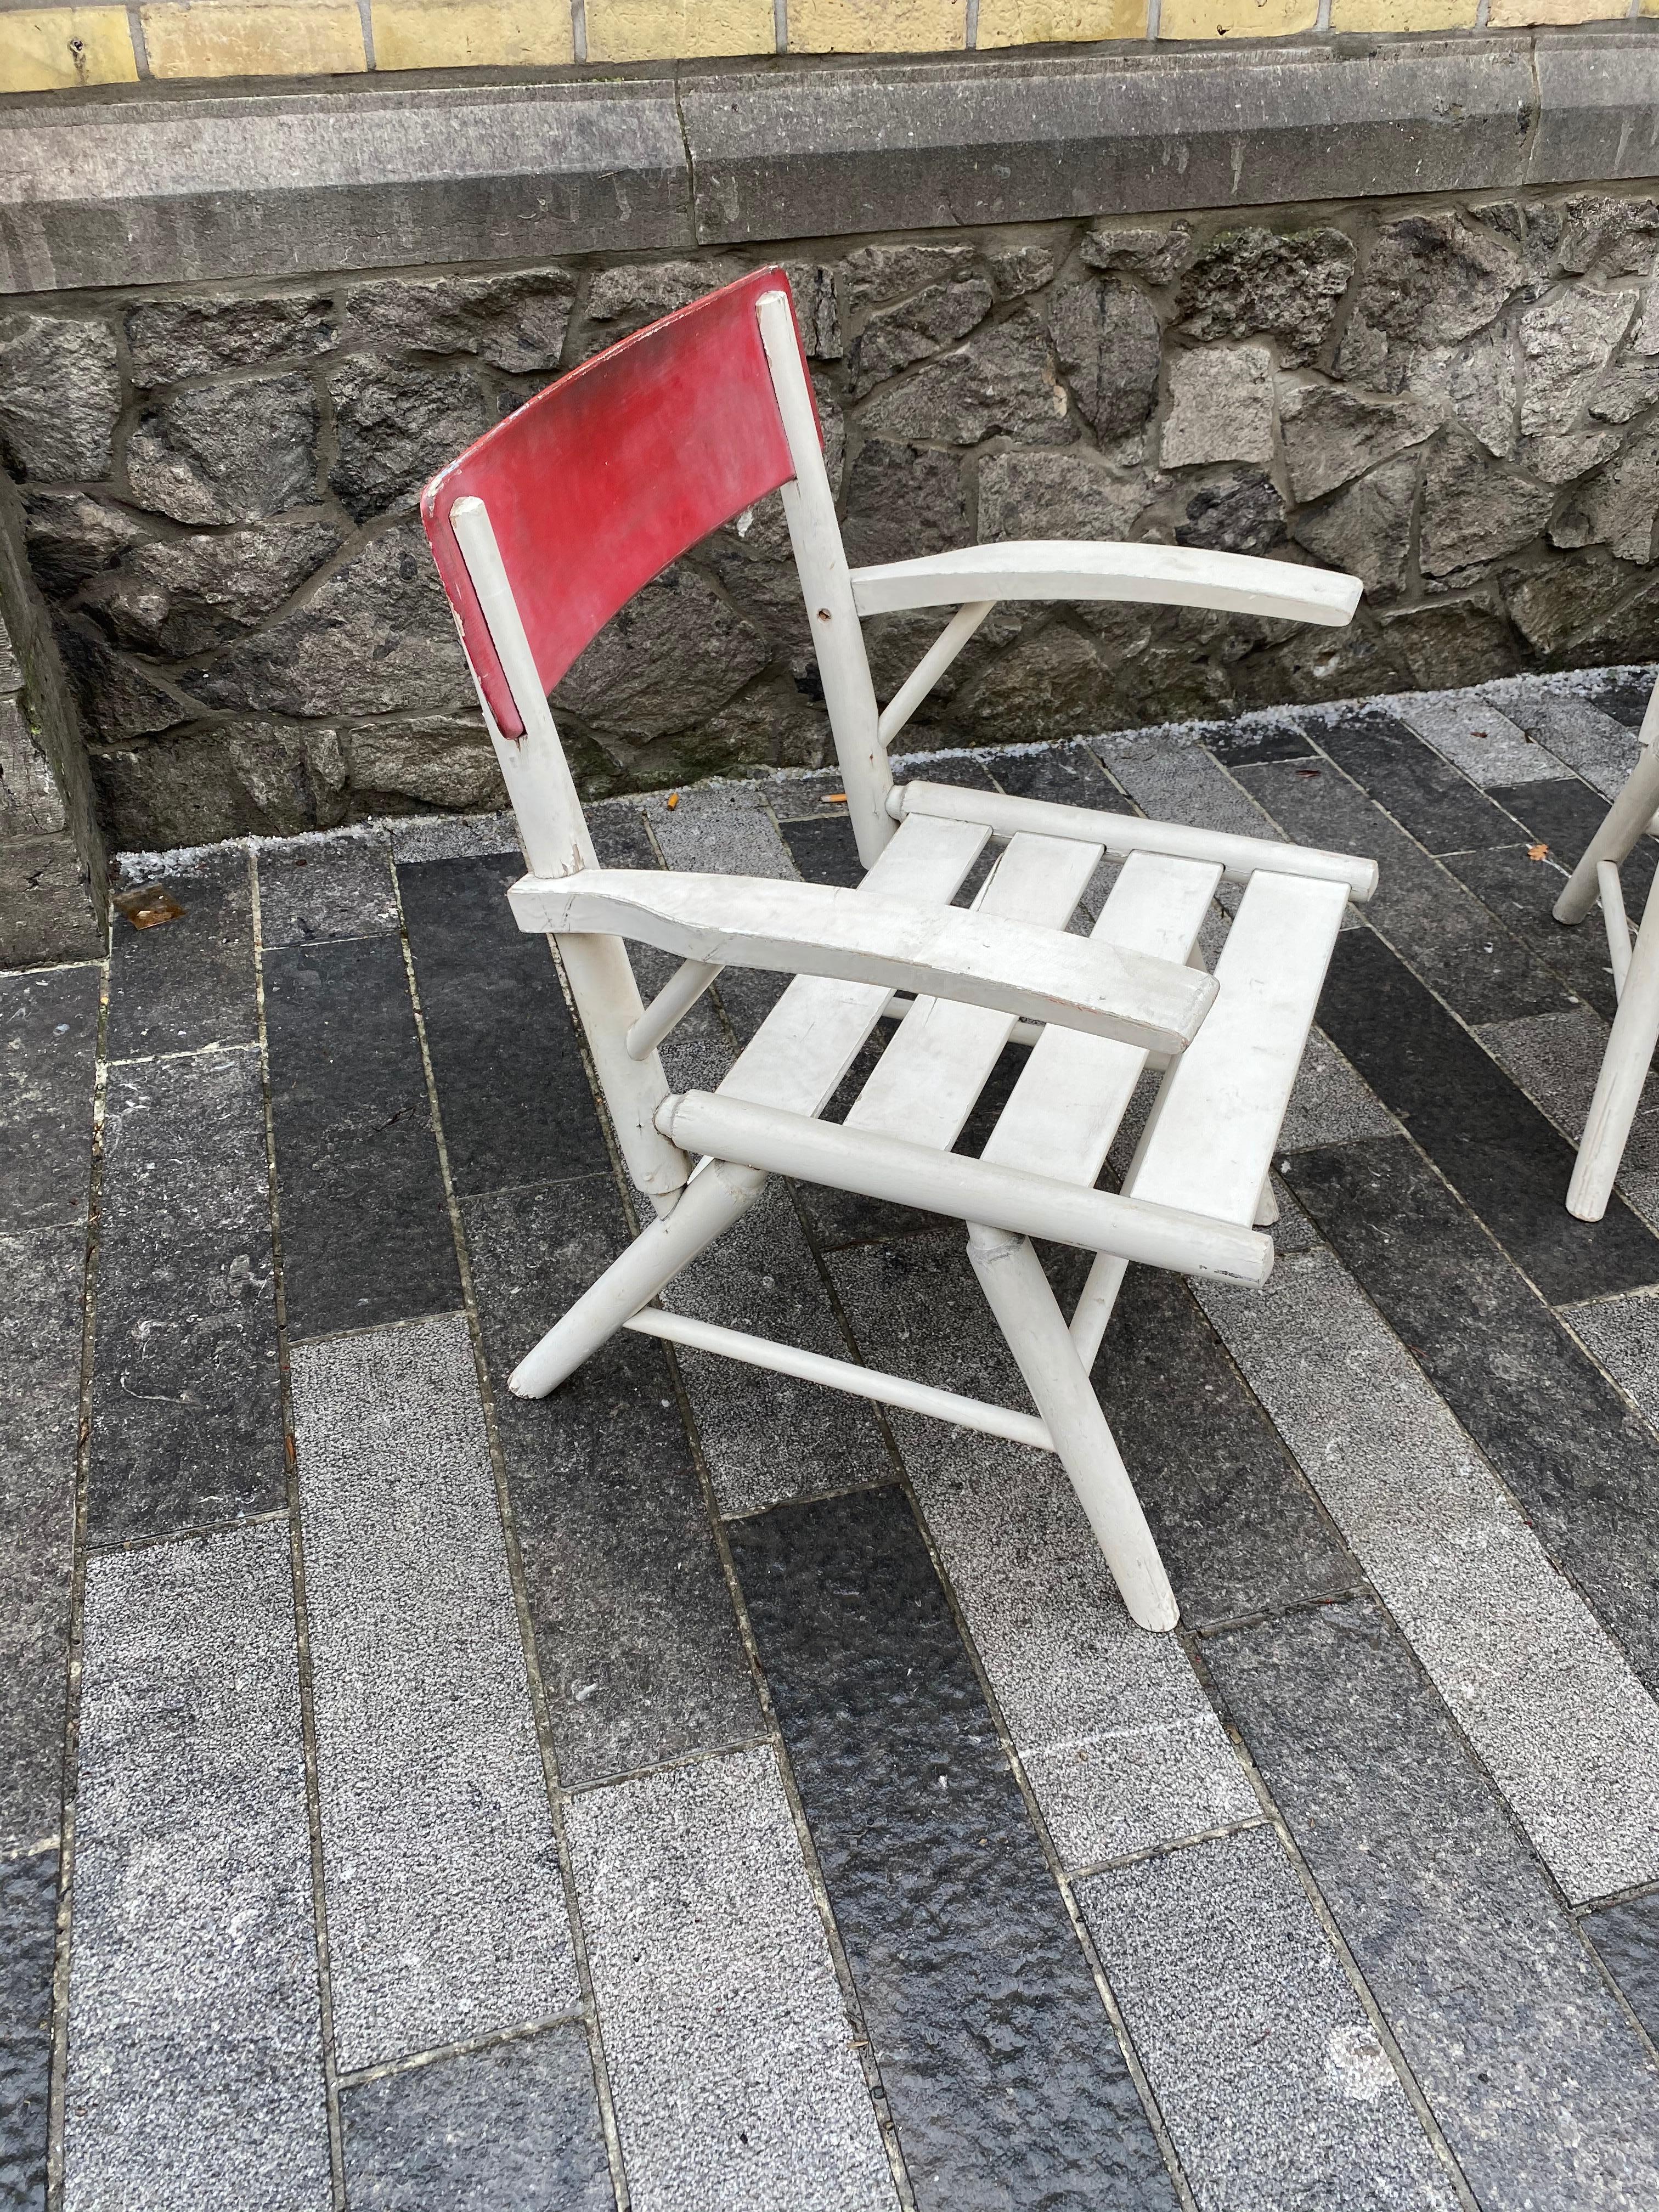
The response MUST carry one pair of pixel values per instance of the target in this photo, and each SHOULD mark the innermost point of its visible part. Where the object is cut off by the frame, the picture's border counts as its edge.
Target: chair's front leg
(1017, 1291)
(1625, 1067)
(709, 1204)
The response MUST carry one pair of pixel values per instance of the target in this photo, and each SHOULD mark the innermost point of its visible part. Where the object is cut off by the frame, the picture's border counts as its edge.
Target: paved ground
(694, 1792)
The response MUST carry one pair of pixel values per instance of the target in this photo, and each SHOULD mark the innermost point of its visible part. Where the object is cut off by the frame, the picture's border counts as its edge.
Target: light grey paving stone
(1114, 1732)
(40, 1392)
(1331, 1103)
(1556, 1057)
(1591, 743)
(768, 1437)
(1568, 1733)
(1171, 777)
(719, 828)
(728, 2045)
(446, 1915)
(454, 837)
(1275, 2086)
(194, 2040)
(1623, 1334)
(1476, 735)
(325, 887)
(1292, 1231)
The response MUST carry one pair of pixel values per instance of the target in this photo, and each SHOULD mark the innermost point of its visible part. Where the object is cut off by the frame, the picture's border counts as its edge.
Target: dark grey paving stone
(513, 2128)
(1001, 2069)
(1478, 1127)
(1456, 944)
(1253, 739)
(1621, 692)
(1521, 890)
(189, 982)
(634, 1632)
(809, 797)
(1583, 1467)
(313, 888)
(1272, 2081)
(195, 2035)
(1542, 2087)
(48, 1050)
(1627, 1938)
(366, 1233)
(825, 851)
(1062, 775)
(41, 1390)
(1425, 793)
(1238, 1527)
(1564, 815)
(512, 1089)
(187, 1417)
(28, 1922)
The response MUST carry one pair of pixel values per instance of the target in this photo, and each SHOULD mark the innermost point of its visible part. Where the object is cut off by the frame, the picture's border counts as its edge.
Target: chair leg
(717, 1196)
(1017, 1291)
(1625, 1067)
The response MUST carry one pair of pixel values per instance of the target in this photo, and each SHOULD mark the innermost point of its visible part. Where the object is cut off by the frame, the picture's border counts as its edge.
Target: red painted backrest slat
(595, 485)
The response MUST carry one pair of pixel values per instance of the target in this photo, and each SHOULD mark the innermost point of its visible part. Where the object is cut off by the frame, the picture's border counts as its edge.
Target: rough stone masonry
(1458, 400)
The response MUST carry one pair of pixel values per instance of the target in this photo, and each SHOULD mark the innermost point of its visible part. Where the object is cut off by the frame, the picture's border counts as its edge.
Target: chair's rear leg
(1625, 1067)
(1017, 1291)
(708, 1206)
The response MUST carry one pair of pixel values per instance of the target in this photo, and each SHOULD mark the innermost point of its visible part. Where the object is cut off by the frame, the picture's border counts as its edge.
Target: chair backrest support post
(837, 634)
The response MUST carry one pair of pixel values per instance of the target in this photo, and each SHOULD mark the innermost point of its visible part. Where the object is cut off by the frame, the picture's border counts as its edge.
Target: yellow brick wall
(56, 45)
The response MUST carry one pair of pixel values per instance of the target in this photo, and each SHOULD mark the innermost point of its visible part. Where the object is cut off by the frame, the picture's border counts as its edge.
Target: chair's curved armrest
(1060, 569)
(945, 952)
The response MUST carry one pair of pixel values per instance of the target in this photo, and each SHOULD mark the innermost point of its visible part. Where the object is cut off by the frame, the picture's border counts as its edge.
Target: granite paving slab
(1472, 732)
(317, 887)
(999, 2062)
(48, 1045)
(1545, 2092)
(365, 1230)
(1564, 816)
(515, 2125)
(186, 1414)
(1626, 1940)
(195, 2067)
(1273, 2079)
(635, 1636)
(728, 2043)
(1593, 746)
(1439, 804)
(1581, 1465)
(446, 1903)
(1521, 884)
(40, 1335)
(189, 982)
(1623, 1336)
(28, 1927)
(1556, 1058)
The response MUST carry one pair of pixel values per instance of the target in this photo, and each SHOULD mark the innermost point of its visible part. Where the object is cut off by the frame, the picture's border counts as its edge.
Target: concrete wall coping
(154, 185)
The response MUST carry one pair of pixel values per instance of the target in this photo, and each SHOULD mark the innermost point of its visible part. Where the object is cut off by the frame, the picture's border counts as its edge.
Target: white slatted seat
(1095, 1013)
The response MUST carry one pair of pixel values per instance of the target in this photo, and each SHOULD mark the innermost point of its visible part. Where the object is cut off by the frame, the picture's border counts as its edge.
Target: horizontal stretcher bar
(968, 1190)
(1238, 858)
(843, 1374)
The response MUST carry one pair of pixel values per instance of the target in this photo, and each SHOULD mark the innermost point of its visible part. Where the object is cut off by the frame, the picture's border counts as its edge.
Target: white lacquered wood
(1017, 1291)
(931, 666)
(1616, 922)
(818, 929)
(557, 843)
(944, 1182)
(797, 1058)
(1625, 1067)
(870, 1382)
(1064, 1111)
(716, 1196)
(924, 1086)
(809, 506)
(1094, 1308)
(672, 1004)
(1066, 569)
(1626, 820)
(1239, 858)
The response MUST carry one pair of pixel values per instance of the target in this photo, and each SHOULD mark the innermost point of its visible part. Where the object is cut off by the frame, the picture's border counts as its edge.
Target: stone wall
(1458, 400)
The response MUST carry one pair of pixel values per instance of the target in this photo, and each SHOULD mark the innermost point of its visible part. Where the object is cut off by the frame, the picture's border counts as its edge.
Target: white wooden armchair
(548, 525)
(1635, 964)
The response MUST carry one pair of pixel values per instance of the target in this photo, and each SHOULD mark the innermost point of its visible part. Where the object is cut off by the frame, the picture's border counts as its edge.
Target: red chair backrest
(596, 484)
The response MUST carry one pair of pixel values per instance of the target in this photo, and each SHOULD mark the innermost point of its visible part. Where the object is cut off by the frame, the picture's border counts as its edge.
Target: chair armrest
(1059, 568)
(946, 952)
